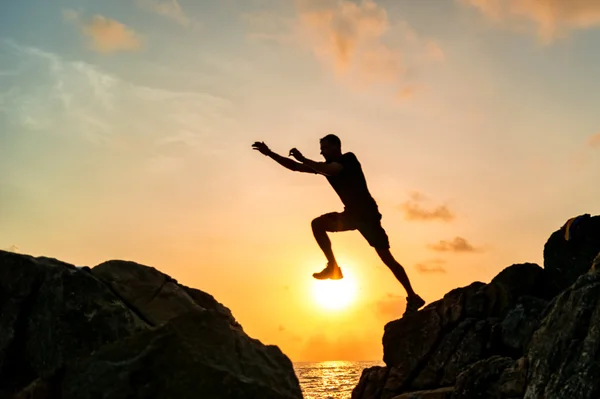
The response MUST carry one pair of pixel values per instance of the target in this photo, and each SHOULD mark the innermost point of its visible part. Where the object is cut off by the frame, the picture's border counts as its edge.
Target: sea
(331, 379)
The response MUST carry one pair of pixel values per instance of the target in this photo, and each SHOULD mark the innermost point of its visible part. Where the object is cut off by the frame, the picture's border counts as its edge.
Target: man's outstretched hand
(261, 147)
(297, 154)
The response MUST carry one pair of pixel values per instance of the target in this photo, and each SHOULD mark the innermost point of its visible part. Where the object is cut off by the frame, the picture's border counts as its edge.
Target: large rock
(493, 378)
(125, 330)
(155, 296)
(193, 355)
(370, 385)
(477, 341)
(50, 313)
(564, 351)
(570, 250)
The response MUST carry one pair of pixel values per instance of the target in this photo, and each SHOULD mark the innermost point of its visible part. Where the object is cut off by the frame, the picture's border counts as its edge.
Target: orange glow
(335, 294)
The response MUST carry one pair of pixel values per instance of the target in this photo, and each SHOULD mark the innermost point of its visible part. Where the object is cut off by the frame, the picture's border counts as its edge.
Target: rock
(595, 269)
(407, 342)
(123, 330)
(440, 393)
(564, 350)
(50, 313)
(155, 296)
(370, 385)
(493, 378)
(501, 294)
(197, 354)
(518, 325)
(567, 259)
(480, 338)
(465, 344)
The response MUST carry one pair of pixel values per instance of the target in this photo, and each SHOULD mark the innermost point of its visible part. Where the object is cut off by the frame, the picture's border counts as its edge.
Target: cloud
(458, 244)
(432, 266)
(355, 40)
(106, 35)
(551, 18)
(13, 248)
(434, 51)
(414, 211)
(348, 36)
(167, 8)
(78, 100)
(594, 141)
(406, 93)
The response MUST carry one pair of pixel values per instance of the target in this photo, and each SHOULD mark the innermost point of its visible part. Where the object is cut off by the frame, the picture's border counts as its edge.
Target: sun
(335, 294)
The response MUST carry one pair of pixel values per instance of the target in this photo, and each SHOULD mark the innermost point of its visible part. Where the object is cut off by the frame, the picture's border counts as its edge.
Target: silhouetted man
(344, 173)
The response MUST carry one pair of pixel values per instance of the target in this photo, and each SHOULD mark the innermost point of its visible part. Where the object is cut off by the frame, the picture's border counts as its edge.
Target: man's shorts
(369, 227)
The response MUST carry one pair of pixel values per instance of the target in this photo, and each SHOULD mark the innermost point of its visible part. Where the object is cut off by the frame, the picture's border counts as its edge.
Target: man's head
(331, 147)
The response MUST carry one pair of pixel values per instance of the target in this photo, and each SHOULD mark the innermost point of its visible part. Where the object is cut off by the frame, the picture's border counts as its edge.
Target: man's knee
(327, 222)
(318, 223)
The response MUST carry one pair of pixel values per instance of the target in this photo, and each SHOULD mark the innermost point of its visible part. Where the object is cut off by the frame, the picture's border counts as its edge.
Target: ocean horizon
(333, 379)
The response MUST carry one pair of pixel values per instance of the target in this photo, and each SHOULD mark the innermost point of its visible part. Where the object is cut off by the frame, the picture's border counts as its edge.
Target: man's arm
(327, 169)
(285, 162)
(289, 163)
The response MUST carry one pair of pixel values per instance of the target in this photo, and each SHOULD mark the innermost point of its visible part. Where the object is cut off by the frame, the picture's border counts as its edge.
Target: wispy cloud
(551, 18)
(80, 100)
(457, 244)
(356, 40)
(13, 248)
(579, 159)
(167, 8)
(348, 35)
(431, 266)
(594, 141)
(413, 210)
(106, 35)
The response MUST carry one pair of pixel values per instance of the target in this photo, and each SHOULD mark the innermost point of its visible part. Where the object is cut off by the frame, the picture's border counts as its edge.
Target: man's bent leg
(320, 226)
(319, 229)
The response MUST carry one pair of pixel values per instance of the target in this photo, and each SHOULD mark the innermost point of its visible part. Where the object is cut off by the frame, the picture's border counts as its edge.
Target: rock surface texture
(124, 330)
(531, 332)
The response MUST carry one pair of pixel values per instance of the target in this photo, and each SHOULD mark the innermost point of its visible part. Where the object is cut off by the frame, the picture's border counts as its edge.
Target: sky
(126, 129)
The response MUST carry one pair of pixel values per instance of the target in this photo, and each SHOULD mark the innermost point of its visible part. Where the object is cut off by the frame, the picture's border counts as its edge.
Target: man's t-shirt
(351, 186)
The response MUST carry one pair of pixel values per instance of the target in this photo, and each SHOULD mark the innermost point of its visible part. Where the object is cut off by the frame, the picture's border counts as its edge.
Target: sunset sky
(126, 129)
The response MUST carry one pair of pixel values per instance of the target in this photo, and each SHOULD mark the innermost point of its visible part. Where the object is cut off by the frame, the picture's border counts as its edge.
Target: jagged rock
(50, 313)
(518, 325)
(370, 385)
(194, 355)
(440, 393)
(473, 336)
(125, 330)
(501, 294)
(430, 348)
(564, 350)
(493, 378)
(567, 259)
(155, 296)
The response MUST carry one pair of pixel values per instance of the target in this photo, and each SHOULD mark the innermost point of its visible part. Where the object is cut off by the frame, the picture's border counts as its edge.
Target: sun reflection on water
(330, 379)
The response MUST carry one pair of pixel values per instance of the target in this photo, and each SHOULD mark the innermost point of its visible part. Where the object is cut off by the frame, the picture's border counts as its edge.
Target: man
(344, 173)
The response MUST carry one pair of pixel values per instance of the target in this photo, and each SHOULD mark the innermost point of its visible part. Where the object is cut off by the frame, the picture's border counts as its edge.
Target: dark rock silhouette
(531, 332)
(124, 330)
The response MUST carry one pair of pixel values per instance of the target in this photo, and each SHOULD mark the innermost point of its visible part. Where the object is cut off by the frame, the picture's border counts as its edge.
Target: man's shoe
(413, 303)
(330, 272)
